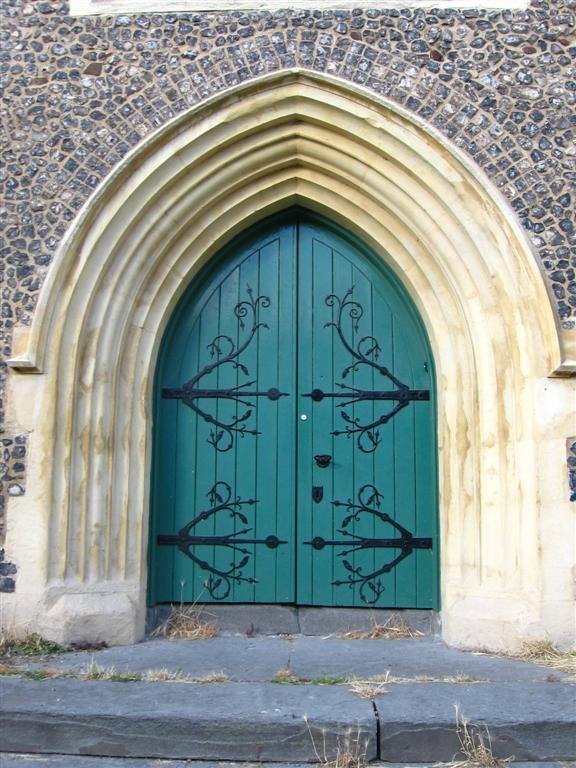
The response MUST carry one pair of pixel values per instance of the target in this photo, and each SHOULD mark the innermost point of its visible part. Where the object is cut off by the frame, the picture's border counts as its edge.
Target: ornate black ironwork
(365, 353)
(219, 582)
(371, 587)
(227, 352)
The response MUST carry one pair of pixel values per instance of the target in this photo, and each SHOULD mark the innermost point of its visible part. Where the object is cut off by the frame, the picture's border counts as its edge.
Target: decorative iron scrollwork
(371, 586)
(219, 582)
(227, 352)
(365, 353)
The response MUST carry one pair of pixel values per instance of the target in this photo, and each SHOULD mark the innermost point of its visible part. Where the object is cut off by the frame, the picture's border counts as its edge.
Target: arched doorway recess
(294, 430)
(284, 140)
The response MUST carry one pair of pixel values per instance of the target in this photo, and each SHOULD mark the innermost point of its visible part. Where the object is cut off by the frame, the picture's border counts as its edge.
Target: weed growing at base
(32, 645)
(185, 623)
(544, 652)
(395, 628)
(110, 674)
(476, 748)
(350, 752)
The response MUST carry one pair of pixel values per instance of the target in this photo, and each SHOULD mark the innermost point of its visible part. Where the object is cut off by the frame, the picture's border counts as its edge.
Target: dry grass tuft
(394, 628)
(164, 676)
(95, 672)
(376, 686)
(171, 676)
(373, 686)
(459, 679)
(543, 652)
(476, 747)
(351, 749)
(368, 689)
(213, 677)
(345, 759)
(540, 652)
(185, 623)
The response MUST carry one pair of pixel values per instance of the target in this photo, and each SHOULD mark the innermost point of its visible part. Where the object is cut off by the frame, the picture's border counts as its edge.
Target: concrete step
(267, 722)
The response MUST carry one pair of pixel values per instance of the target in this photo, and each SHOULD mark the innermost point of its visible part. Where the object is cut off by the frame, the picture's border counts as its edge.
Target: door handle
(322, 460)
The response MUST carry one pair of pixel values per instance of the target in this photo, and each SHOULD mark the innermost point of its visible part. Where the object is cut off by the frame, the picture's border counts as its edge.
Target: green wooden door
(294, 435)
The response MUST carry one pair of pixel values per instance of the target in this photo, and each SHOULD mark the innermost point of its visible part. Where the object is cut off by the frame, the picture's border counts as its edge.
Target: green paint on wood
(293, 307)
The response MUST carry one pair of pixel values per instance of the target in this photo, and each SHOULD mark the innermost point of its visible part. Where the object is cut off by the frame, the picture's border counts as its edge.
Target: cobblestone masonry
(79, 93)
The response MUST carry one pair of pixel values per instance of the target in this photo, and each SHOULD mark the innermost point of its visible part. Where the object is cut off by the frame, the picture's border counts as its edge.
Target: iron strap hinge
(400, 395)
(183, 541)
(406, 543)
(187, 394)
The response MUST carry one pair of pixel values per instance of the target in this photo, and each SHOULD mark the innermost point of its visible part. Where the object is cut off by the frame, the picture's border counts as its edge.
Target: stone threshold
(250, 620)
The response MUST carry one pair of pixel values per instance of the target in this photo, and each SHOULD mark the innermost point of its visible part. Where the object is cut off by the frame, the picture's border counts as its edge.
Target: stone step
(259, 659)
(12, 760)
(267, 722)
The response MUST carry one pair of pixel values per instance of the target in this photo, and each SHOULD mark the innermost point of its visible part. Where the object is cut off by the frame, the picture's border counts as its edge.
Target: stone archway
(293, 138)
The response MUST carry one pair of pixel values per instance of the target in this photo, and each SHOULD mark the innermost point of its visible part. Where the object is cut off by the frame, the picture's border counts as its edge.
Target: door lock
(322, 460)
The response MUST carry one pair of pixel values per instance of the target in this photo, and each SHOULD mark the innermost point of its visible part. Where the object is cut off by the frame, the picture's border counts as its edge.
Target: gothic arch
(291, 138)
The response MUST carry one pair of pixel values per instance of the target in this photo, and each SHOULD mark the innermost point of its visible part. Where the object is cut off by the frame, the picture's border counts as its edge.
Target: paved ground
(529, 709)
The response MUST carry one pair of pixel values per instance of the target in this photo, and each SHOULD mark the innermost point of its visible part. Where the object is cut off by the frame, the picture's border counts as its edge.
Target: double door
(294, 432)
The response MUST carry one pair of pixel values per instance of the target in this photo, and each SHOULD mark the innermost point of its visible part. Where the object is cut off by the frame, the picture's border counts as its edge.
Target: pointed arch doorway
(294, 443)
(81, 532)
